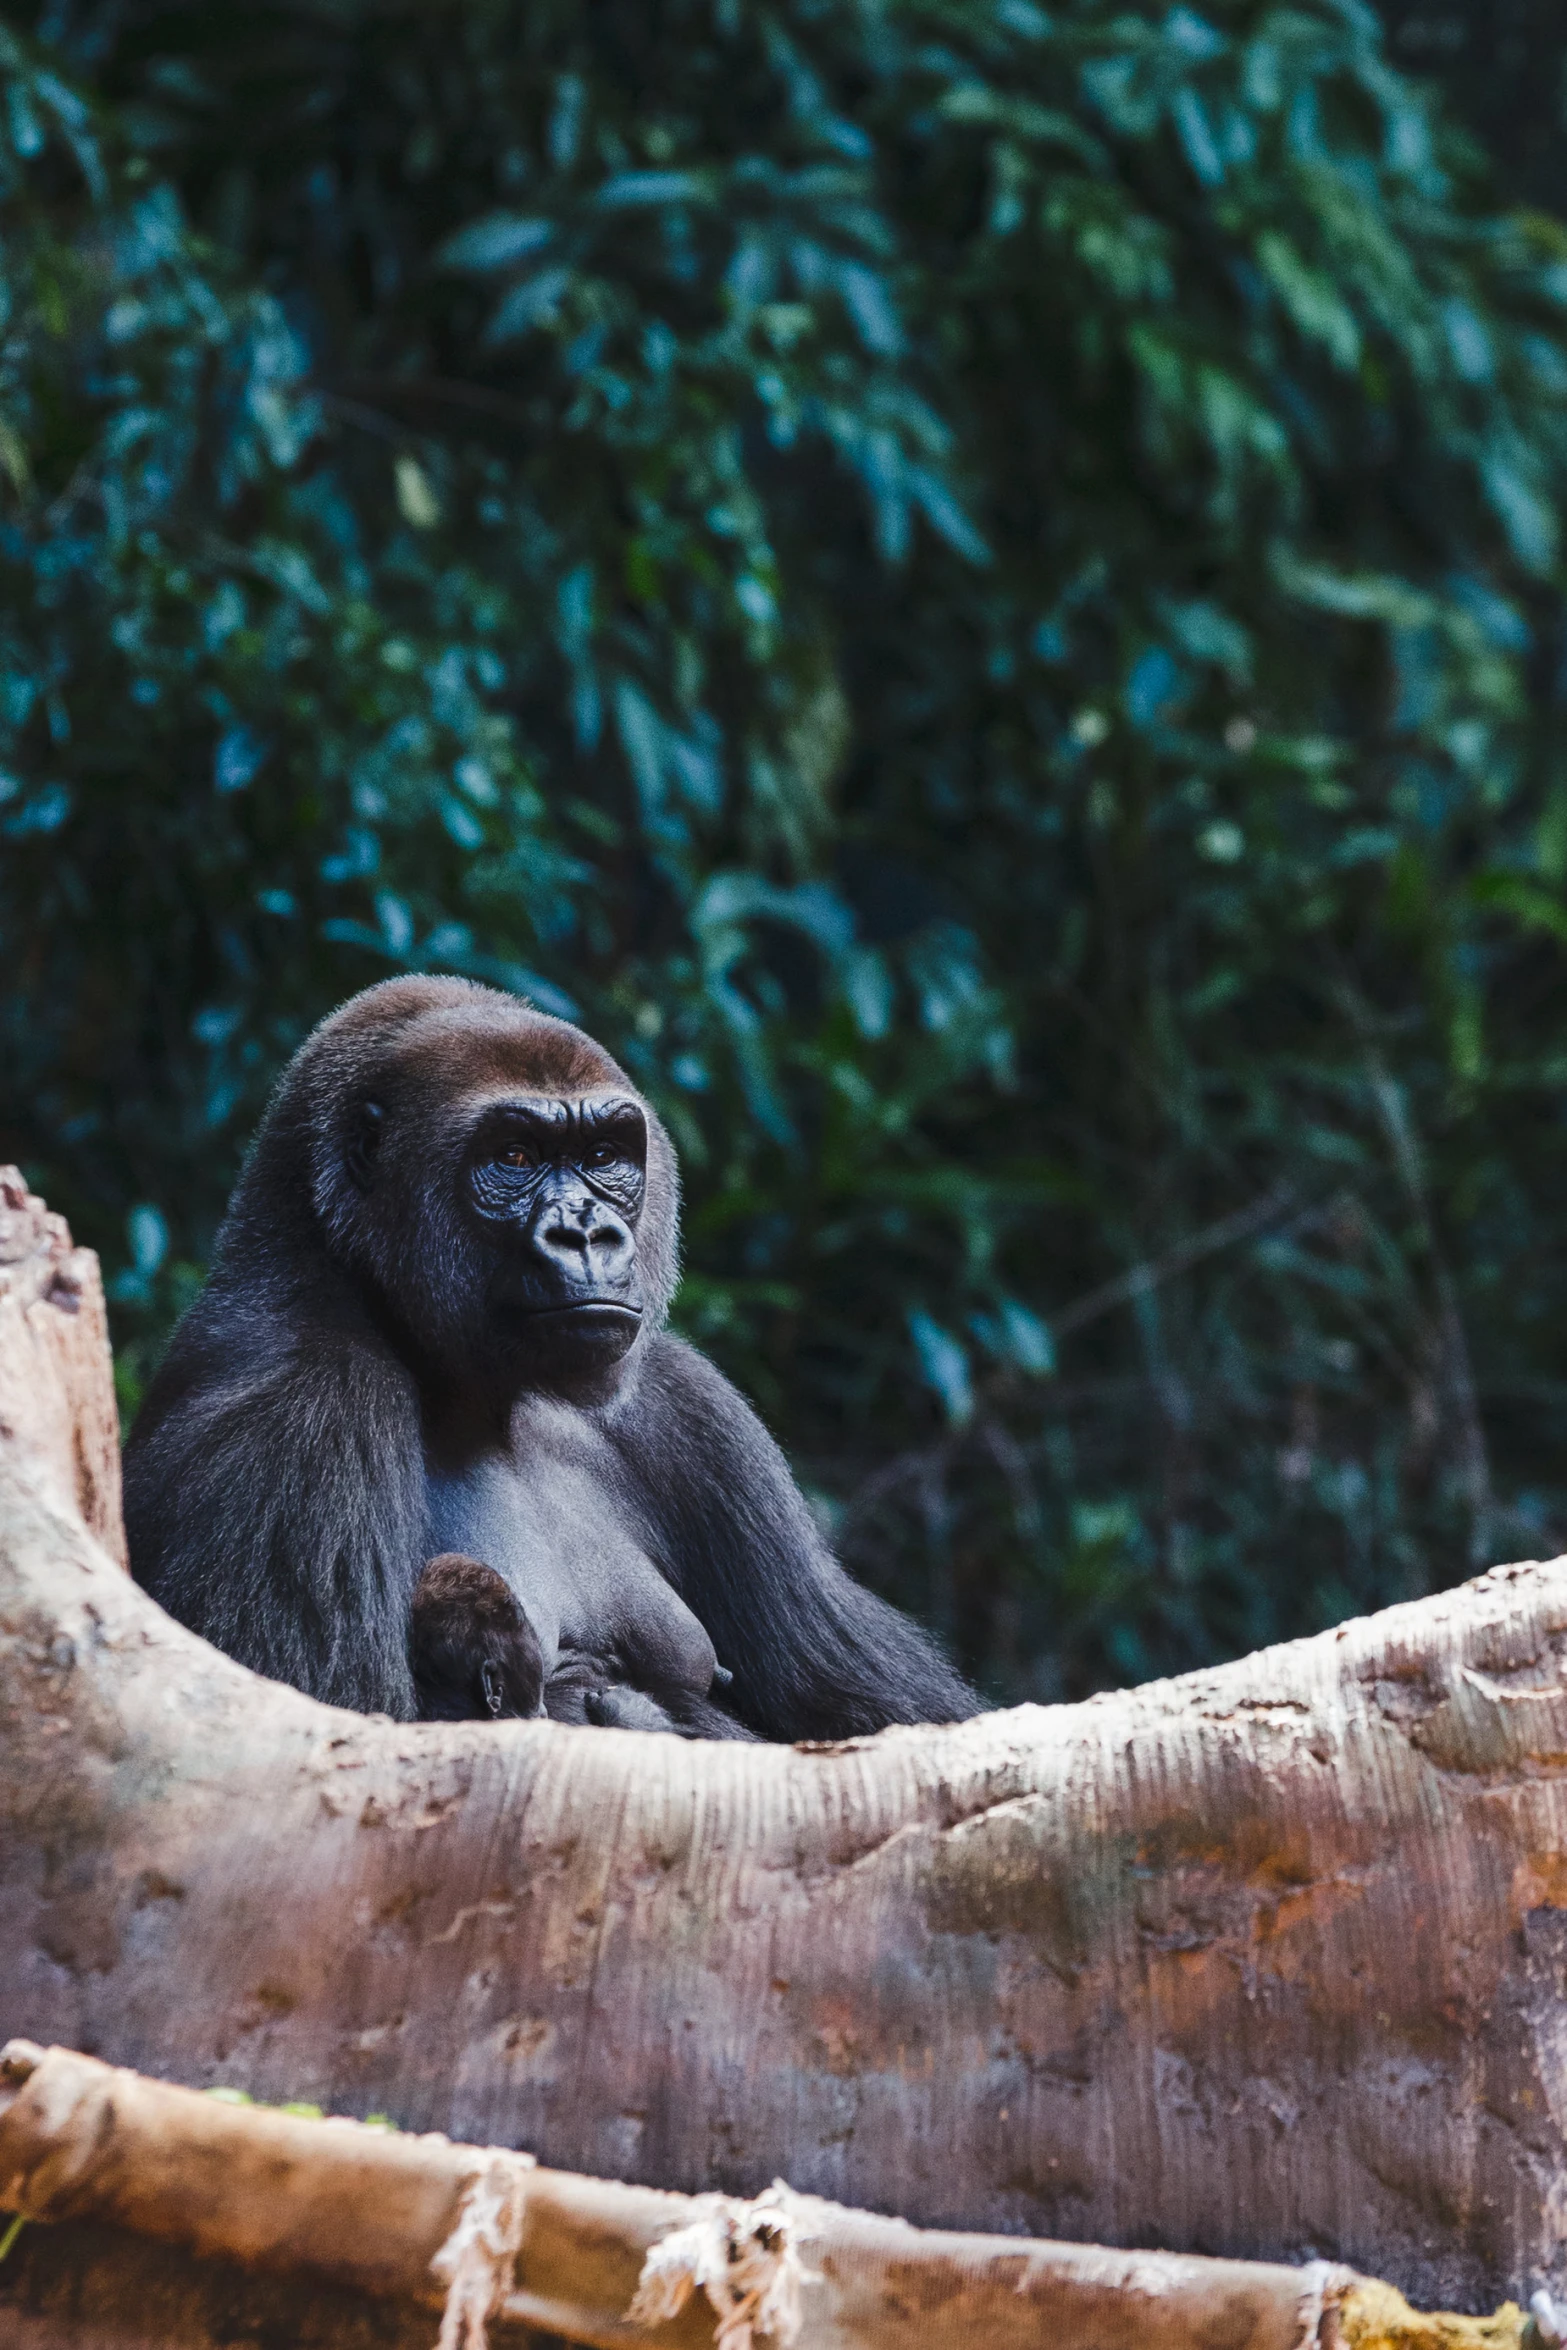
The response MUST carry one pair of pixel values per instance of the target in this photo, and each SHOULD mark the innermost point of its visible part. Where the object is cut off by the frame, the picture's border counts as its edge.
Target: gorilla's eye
(517, 1154)
(603, 1154)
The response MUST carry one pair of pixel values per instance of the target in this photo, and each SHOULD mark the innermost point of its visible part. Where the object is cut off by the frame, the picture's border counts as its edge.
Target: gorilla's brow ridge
(561, 1114)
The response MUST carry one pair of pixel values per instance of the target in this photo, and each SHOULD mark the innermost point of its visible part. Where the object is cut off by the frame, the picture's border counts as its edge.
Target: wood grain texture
(1266, 1962)
(57, 1408)
(368, 2210)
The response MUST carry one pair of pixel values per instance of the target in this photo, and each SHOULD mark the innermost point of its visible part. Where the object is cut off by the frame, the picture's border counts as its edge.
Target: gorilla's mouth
(588, 1313)
(584, 1334)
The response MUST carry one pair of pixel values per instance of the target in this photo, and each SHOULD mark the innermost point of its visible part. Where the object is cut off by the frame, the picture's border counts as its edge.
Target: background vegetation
(977, 589)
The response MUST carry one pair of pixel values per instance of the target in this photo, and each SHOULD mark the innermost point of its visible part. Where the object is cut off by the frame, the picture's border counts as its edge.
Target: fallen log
(1265, 1963)
(371, 2211)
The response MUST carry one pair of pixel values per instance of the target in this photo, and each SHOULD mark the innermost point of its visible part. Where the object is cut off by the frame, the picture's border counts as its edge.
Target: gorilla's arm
(274, 1499)
(813, 1654)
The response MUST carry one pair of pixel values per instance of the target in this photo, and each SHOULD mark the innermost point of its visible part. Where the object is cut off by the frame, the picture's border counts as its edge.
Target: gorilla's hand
(475, 1656)
(589, 1691)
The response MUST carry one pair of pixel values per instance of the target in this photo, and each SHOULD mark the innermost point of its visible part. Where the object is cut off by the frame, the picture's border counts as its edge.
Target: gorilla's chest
(545, 1512)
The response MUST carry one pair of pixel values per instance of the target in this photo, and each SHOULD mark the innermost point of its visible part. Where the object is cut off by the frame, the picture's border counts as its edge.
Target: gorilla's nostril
(580, 1245)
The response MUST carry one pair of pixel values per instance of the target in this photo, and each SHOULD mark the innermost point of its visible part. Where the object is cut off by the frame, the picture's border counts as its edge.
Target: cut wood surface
(1267, 1962)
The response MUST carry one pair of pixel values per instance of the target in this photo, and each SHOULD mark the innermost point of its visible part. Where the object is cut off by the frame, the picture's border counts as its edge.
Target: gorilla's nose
(586, 1243)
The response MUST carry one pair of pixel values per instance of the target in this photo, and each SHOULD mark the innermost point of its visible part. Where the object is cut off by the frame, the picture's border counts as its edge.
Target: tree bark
(1267, 1962)
(370, 2212)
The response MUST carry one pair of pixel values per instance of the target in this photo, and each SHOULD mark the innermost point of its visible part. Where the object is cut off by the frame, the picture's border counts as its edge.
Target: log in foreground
(1267, 1962)
(372, 2211)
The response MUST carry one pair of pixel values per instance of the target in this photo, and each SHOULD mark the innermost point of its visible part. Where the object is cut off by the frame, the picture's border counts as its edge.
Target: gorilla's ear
(364, 1143)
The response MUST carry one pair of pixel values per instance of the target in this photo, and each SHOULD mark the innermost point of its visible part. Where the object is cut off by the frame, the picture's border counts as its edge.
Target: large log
(374, 2214)
(1267, 1962)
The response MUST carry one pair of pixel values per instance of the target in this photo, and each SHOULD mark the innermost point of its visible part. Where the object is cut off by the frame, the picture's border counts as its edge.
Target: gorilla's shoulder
(684, 1422)
(251, 1348)
(675, 1377)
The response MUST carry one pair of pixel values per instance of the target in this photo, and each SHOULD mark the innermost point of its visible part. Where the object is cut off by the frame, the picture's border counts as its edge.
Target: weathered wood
(367, 2210)
(1266, 1962)
(57, 1411)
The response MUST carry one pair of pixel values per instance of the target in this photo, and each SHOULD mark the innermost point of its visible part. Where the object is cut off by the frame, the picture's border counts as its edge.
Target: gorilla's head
(490, 1172)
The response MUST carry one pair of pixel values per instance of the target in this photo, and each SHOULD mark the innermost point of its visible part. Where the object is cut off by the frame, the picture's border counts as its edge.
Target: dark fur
(340, 1388)
(473, 1653)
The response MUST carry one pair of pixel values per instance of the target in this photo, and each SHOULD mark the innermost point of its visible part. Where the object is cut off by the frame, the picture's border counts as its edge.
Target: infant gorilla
(475, 1656)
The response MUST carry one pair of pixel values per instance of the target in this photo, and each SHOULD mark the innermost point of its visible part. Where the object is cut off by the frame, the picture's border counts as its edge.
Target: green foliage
(977, 591)
(1501, 63)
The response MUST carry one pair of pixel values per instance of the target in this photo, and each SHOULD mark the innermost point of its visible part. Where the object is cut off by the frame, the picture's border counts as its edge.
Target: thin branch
(447, 391)
(1409, 1159)
(922, 1463)
(1127, 1287)
(367, 419)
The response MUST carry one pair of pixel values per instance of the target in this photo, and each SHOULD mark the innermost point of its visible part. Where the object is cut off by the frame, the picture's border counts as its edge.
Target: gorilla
(473, 1650)
(423, 1446)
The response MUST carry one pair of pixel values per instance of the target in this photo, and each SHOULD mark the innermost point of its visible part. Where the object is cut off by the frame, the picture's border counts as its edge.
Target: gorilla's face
(497, 1181)
(554, 1190)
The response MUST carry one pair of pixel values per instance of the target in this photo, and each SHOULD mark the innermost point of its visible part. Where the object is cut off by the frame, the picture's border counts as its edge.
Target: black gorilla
(423, 1447)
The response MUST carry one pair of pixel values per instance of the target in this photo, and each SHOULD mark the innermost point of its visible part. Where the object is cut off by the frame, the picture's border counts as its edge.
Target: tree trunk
(1265, 1962)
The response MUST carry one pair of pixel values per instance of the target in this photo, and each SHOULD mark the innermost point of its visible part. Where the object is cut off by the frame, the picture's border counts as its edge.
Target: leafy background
(977, 589)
